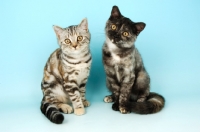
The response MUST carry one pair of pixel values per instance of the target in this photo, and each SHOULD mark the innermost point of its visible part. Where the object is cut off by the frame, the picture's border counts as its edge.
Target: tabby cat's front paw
(79, 111)
(115, 107)
(86, 103)
(124, 110)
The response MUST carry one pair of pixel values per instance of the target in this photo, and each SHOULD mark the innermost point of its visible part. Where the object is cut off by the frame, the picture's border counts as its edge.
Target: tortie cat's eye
(125, 34)
(80, 38)
(113, 27)
(67, 41)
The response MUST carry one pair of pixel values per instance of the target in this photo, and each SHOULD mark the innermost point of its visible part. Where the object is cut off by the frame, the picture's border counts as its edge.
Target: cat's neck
(116, 50)
(77, 54)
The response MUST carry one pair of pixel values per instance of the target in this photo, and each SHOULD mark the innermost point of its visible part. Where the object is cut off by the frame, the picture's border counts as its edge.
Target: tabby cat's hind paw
(86, 103)
(108, 99)
(66, 108)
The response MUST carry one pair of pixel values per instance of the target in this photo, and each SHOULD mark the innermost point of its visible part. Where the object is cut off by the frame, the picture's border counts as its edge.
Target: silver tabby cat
(66, 73)
(126, 76)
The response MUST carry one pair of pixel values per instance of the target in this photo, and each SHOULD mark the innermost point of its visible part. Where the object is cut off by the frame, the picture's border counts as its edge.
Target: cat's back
(55, 56)
(53, 62)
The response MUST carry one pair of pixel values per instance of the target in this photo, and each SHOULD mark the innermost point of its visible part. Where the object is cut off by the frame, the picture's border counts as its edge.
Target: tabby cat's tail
(153, 104)
(52, 113)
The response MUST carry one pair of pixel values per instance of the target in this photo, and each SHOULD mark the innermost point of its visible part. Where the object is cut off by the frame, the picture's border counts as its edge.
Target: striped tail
(52, 113)
(153, 104)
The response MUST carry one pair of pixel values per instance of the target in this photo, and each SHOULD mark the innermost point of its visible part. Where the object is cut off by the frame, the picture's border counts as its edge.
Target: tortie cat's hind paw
(108, 99)
(115, 107)
(142, 99)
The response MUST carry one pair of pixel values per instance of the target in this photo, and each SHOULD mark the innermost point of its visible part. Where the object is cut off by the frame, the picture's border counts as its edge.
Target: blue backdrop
(169, 45)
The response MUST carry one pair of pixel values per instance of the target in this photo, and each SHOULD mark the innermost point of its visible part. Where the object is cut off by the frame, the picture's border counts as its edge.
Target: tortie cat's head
(121, 30)
(73, 39)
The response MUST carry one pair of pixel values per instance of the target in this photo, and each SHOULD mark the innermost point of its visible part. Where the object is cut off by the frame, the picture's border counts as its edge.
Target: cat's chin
(124, 46)
(75, 52)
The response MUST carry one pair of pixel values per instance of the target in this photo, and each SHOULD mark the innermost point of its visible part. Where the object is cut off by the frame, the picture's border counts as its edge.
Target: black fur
(126, 76)
(147, 107)
(53, 114)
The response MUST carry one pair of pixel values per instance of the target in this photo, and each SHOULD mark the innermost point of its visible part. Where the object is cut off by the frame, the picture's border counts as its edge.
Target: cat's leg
(115, 89)
(109, 98)
(125, 93)
(82, 90)
(72, 88)
(142, 85)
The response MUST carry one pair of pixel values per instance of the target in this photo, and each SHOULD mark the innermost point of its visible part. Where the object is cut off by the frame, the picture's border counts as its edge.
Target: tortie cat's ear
(58, 30)
(115, 13)
(84, 25)
(139, 27)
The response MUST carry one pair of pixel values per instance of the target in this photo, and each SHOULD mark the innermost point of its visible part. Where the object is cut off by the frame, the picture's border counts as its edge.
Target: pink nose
(74, 45)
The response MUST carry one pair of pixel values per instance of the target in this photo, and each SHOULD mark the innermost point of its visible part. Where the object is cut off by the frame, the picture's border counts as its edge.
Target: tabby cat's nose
(74, 45)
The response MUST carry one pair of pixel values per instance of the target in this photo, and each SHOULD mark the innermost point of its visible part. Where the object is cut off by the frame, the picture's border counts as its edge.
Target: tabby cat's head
(73, 39)
(121, 30)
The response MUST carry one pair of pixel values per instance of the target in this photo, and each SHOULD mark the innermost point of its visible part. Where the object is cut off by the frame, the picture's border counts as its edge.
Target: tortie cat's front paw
(79, 111)
(124, 110)
(115, 107)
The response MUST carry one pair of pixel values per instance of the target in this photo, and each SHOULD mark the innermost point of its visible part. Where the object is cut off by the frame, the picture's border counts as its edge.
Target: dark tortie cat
(126, 76)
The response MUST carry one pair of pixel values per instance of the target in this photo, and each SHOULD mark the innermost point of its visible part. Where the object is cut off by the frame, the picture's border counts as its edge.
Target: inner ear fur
(115, 13)
(58, 30)
(84, 24)
(139, 26)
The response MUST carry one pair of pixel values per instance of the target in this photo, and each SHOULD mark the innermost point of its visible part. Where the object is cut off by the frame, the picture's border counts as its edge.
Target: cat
(66, 73)
(126, 76)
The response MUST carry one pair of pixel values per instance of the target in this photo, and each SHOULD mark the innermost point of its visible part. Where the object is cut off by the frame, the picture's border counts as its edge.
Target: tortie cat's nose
(116, 38)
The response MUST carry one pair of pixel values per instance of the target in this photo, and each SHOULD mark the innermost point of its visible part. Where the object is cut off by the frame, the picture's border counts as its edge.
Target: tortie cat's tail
(52, 113)
(153, 104)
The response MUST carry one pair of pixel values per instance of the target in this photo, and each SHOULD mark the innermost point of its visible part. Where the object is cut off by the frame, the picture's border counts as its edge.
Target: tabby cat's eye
(79, 38)
(113, 27)
(67, 41)
(125, 34)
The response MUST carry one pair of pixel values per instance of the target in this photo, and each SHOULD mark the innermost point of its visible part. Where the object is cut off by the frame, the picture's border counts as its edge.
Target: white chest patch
(112, 47)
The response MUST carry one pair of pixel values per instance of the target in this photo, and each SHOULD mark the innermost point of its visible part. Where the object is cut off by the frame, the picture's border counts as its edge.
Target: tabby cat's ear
(115, 13)
(84, 25)
(58, 30)
(139, 27)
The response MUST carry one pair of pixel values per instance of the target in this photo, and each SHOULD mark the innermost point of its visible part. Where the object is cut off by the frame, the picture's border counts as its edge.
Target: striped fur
(153, 104)
(126, 76)
(66, 73)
